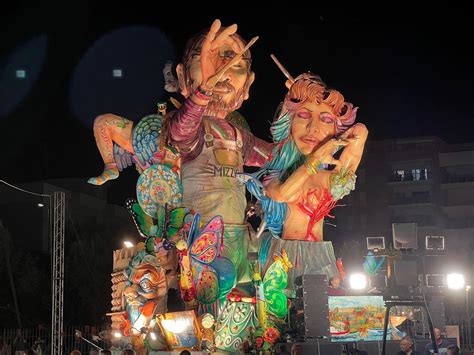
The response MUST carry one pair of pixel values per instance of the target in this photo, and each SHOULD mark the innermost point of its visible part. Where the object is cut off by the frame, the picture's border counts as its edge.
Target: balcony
(414, 200)
(454, 179)
(395, 178)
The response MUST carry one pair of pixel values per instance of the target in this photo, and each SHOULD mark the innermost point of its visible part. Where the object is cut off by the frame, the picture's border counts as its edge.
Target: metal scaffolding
(57, 273)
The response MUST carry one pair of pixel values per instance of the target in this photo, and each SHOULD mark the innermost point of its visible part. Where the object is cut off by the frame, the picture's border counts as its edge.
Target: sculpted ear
(249, 84)
(182, 80)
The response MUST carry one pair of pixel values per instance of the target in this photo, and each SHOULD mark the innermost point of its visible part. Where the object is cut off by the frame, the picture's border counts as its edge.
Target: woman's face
(312, 124)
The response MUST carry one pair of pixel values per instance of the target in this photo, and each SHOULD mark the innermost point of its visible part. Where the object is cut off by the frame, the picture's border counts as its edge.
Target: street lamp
(467, 289)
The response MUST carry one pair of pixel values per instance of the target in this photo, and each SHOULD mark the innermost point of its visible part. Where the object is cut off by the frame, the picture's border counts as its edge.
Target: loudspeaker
(406, 271)
(436, 307)
(434, 267)
(404, 235)
(378, 281)
(311, 304)
(434, 264)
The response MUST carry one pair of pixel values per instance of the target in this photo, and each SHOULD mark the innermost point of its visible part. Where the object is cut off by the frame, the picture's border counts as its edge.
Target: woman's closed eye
(326, 117)
(304, 114)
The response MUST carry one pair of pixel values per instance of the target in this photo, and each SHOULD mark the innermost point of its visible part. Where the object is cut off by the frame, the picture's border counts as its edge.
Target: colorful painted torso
(209, 180)
(213, 151)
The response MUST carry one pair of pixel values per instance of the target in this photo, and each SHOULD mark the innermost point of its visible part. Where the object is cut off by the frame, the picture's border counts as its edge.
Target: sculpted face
(312, 125)
(233, 87)
(146, 290)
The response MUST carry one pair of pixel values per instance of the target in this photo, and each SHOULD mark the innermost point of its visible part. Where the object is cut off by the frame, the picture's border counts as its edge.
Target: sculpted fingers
(223, 37)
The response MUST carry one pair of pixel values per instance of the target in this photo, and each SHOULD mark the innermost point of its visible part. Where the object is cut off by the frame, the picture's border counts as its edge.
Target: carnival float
(231, 287)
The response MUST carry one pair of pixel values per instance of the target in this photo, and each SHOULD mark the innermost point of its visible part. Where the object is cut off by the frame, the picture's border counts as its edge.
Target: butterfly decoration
(206, 276)
(271, 289)
(371, 265)
(168, 226)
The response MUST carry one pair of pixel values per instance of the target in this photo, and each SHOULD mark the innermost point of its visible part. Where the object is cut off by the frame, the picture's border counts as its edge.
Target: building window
(117, 73)
(399, 175)
(419, 174)
(20, 74)
(416, 173)
(424, 174)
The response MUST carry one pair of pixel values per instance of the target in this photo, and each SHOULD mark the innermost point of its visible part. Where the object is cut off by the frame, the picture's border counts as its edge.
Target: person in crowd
(406, 347)
(335, 288)
(442, 343)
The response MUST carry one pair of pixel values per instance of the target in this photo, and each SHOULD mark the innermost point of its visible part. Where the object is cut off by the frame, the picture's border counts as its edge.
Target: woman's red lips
(310, 140)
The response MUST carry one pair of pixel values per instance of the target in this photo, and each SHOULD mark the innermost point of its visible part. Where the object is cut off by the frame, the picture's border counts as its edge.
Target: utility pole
(468, 316)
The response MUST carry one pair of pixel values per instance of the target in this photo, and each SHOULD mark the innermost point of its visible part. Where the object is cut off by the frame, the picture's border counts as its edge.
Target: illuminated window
(117, 73)
(416, 173)
(420, 174)
(400, 175)
(20, 73)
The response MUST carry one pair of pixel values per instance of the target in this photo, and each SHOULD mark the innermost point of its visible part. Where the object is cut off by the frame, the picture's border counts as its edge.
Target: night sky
(410, 73)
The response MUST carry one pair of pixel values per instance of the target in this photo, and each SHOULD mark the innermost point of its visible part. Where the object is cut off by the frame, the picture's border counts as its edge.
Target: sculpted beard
(217, 103)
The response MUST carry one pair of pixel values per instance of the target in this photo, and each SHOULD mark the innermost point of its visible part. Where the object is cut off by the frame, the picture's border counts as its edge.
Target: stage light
(375, 243)
(117, 334)
(468, 287)
(128, 244)
(435, 280)
(433, 242)
(153, 336)
(358, 281)
(455, 281)
(40, 205)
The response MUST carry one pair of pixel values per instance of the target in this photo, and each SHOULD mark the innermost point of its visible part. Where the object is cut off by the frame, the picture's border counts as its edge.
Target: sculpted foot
(110, 173)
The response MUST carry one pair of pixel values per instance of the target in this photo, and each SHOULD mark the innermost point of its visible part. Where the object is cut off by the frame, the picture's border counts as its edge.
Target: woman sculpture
(303, 180)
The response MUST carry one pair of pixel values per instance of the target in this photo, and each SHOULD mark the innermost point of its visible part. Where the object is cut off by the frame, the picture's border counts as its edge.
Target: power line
(23, 190)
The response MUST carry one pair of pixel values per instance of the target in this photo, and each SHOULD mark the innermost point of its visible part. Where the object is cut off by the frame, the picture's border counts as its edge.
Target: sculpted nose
(312, 125)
